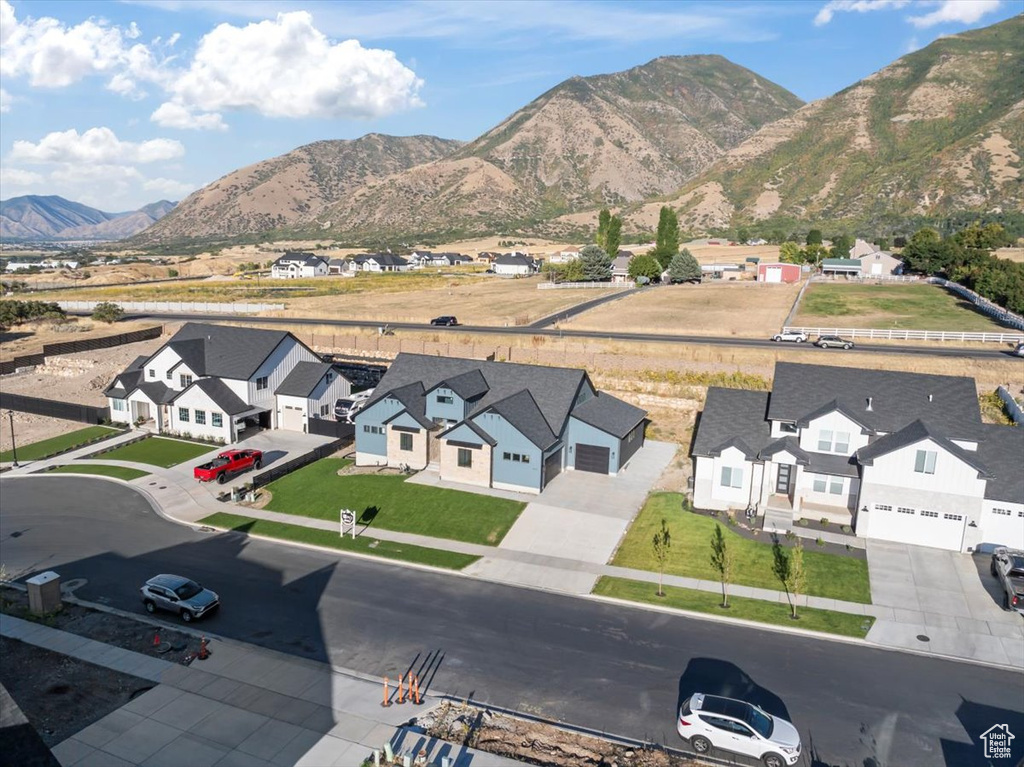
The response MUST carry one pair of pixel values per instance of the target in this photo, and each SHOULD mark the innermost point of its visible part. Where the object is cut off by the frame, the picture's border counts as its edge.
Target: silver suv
(710, 721)
(180, 595)
(795, 336)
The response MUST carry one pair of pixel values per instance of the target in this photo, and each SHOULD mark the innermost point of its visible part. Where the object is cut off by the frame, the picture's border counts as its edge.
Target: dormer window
(788, 428)
(185, 381)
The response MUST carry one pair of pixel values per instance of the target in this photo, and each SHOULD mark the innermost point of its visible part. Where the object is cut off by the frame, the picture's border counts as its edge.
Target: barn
(778, 272)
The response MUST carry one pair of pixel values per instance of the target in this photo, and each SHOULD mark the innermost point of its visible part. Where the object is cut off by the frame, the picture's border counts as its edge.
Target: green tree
(596, 265)
(644, 265)
(666, 243)
(603, 218)
(107, 312)
(613, 238)
(789, 570)
(813, 254)
(882, 243)
(776, 236)
(814, 237)
(841, 245)
(742, 235)
(684, 267)
(661, 546)
(791, 253)
(722, 561)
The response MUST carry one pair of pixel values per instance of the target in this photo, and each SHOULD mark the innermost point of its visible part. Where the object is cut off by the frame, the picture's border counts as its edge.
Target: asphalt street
(997, 352)
(598, 665)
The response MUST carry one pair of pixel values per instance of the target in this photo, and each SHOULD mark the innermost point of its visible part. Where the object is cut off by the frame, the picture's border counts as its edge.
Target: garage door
(919, 527)
(291, 418)
(592, 458)
(552, 466)
(1003, 526)
(773, 274)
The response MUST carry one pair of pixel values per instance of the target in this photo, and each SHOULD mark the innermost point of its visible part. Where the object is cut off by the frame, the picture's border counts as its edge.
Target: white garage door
(773, 274)
(919, 527)
(876, 268)
(291, 418)
(1003, 526)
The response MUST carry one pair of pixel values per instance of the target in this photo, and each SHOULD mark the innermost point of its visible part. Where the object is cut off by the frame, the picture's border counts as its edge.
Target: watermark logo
(997, 741)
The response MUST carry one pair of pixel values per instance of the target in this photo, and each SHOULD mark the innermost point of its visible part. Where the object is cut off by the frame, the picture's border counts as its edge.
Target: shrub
(819, 541)
(845, 528)
(108, 312)
(824, 521)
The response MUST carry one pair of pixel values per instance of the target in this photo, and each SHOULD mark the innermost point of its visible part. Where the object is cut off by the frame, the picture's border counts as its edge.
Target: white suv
(709, 721)
(795, 336)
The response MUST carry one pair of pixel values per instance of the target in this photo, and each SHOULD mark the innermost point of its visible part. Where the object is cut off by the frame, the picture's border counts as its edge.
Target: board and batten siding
(275, 368)
(834, 422)
(454, 412)
(508, 474)
(372, 449)
(584, 433)
(323, 393)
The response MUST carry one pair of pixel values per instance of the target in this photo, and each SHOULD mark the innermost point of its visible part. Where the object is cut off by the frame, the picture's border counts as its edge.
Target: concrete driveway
(580, 516)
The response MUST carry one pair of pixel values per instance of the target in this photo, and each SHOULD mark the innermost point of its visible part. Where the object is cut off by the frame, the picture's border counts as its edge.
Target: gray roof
(124, 383)
(916, 432)
(733, 417)
(837, 465)
(1000, 449)
(788, 443)
(225, 351)
(521, 410)
(475, 429)
(411, 396)
(303, 378)
(467, 385)
(309, 259)
(509, 259)
(219, 392)
(384, 259)
(897, 399)
(609, 414)
(158, 391)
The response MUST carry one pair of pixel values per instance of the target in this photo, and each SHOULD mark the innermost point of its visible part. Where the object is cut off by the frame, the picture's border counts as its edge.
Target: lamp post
(14, 449)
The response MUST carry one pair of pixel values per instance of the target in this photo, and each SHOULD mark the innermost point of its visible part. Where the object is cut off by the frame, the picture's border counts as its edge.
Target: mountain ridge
(52, 217)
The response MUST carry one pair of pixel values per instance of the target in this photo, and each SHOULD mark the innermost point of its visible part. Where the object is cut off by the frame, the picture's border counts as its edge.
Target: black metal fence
(52, 408)
(325, 428)
(276, 472)
(81, 345)
(24, 361)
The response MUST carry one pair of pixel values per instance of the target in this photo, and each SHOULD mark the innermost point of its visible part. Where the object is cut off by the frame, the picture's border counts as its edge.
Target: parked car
(1008, 566)
(829, 342)
(1018, 350)
(227, 463)
(795, 336)
(445, 319)
(177, 594)
(710, 721)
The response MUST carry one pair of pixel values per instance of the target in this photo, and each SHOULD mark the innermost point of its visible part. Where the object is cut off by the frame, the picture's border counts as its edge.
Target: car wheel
(773, 760)
(992, 570)
(776, 339)
(824, 346)
(256, 465)
(800, 340)
(187, 616)
(222, 478)
(700, 744)
(150, 607)
(846, 346)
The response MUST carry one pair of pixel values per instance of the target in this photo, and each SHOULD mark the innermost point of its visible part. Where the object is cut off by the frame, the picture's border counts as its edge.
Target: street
(602, 666)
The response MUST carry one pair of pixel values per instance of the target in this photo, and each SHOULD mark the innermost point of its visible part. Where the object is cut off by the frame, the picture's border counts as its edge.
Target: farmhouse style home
(380, 262)
(217, 381)
(514, 264)
(899, 456)
(295, 265)
(495, 424)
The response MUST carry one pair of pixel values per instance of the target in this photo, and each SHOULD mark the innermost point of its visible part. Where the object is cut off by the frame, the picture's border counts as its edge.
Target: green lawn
(828, 575)
(364, 545)
(809, 618)
(54, 445)
(120, 472)
(317, 491)
(906, 306)
(157, 451)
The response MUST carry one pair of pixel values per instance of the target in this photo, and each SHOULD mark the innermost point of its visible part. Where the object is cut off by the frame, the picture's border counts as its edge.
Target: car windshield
(762, 723)
(188, 589)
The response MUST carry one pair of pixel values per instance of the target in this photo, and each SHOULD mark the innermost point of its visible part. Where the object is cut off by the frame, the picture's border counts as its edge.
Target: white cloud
(5, 101)
(858, 6)
(96, 146)
(16, 177)
(172, 115)
(959, 11)
(168, 187)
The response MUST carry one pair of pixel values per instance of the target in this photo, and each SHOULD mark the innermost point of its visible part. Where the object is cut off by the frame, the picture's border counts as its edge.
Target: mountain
(36, 217)
(938, 130)
(293, 188)
(601, 140)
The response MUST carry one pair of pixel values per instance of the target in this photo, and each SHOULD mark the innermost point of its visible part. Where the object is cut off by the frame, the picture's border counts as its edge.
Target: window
(842, 442)
(216, 420)
(924, 462)
(201, 417)
(152, 373)
(732, 477)
(325, 410)
(820, 483)
(405, 441)
(330, 377)
(465, 458)
(185, 380)
(261, 383)
(882, 507)
(1000, 512)
(833, 442)
(933, 514)
(373, 429)
(183, 414)
(835, 486)
(120, 405)
(516, 457)
(953, 517)
(445, 399)
(904, 510)
(788, 428)
(169, 375)
(825, 440)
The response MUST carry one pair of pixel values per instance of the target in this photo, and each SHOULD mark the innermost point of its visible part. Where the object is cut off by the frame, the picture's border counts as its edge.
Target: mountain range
(35, 217)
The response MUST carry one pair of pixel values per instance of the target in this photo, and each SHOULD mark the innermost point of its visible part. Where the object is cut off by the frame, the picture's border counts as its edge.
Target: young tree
(814, 237)
(107, 312)
(789, 569)
(596, 265)
(666, 244)
(684, 267)
(603, 218)
(613, 237)
(722, 561)
(813, 254)
(644, 265)
(660, 546)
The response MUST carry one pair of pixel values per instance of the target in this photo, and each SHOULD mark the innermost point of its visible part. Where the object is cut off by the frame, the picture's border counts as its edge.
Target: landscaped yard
(120, 472)
(913, 306)
(47, 447)
(709, 602)
(389, 502)
(157, 451)
(828, 575)
(362, 544)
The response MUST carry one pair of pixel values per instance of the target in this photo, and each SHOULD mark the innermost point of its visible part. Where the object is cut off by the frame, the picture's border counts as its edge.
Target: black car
(445, 320)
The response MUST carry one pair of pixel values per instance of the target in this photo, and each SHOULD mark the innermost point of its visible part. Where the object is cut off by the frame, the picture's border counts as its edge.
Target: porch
(781, 511)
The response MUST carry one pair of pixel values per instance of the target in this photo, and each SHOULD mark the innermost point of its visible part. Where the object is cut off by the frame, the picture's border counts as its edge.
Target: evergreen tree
(597, 267)
(814, 237)
(684, 267)
(603, 219)
(666, 245)
(613, 236)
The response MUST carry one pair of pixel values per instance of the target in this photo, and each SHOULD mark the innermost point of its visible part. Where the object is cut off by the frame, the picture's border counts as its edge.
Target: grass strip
(119, 472)
(776, 613)
(157, 451)
(449, 560)
(47, 447)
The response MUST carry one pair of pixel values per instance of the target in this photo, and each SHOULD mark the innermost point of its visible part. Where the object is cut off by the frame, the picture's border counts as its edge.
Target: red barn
(778, 272)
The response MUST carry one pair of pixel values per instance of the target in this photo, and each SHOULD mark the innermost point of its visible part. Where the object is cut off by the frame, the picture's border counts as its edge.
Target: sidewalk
(242, 707)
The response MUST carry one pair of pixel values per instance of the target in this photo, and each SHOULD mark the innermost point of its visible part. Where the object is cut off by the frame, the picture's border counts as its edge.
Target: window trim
(262, 383)
(921, 461)
(216, 420)
(464, 458)
(735, 477)
(405, 441)
(183, 414)
(199, 417)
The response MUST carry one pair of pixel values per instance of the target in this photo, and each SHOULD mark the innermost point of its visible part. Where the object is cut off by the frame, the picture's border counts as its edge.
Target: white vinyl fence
(174, 307)
(994, 311)
(605, 285)
(892, 334)
(1012, 406)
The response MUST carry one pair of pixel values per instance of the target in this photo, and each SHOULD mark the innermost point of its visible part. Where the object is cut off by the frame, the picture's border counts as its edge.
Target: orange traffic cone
(204, 651)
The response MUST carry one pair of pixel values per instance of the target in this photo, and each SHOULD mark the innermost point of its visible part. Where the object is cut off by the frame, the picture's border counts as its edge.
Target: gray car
(180, 595)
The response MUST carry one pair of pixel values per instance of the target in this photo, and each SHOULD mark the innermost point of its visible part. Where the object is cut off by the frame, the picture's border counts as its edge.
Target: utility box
(44, 593)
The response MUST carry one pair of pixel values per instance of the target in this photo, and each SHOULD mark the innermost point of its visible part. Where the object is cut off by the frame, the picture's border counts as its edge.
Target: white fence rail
(994, 311)
(605, 285)
(180, 307)
(1012, 407)
(891, 334)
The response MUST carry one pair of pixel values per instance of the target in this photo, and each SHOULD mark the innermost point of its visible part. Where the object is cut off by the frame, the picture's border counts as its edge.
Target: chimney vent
(869, 408)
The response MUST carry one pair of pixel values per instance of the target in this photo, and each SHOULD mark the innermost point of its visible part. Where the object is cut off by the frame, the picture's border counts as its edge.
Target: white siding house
(295, 265)
(309, 391)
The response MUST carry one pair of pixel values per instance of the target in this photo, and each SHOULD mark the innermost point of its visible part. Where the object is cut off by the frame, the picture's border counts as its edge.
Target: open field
(907, 306)
(30, 337)
(752, 309)
(1012, 254)
(730, 254)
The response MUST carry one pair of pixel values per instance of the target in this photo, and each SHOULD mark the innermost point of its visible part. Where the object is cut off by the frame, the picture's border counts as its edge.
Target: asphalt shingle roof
(219, 392)
(733, 417)
(507, 259)
(609, 414)
(226, 351)
(468, 385)
(1001, 449)
(910, 434)
(521, 410)
(303, 378)
(791, 445)
(158, 391)
(308, 259)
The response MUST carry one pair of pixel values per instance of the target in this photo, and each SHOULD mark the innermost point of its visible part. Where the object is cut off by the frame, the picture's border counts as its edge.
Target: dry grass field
(741, 308)
(1012, 254)
(30, 337)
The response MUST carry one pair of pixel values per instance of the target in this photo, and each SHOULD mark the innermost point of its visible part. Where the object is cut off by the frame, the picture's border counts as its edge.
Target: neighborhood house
(514, 264)
(295, 265)
(899, 456)
(495, 424)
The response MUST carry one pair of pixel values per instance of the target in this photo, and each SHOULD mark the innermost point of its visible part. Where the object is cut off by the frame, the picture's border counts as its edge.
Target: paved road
(585, 306)
(997, 352)
(589, 663)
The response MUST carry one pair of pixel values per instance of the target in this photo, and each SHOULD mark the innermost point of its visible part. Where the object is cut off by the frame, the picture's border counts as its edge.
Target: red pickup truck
(227, 463)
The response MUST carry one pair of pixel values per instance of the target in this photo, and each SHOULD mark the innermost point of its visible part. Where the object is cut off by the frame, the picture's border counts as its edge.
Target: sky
(120, 104)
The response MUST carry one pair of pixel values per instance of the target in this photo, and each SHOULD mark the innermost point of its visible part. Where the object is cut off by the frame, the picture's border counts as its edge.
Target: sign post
(348, 518)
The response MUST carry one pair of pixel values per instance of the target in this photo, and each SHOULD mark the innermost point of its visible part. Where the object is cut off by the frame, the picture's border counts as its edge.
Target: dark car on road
(177, 594)
(833, 342)
(446, 319)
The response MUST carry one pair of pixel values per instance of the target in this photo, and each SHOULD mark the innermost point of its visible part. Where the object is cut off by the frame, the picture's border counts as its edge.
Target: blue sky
(118, 104)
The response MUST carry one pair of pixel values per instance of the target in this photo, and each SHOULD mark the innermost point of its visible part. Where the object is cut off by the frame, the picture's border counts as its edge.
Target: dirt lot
(31, 336)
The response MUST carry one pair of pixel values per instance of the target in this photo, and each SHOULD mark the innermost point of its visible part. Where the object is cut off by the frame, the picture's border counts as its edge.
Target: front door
(782, 478)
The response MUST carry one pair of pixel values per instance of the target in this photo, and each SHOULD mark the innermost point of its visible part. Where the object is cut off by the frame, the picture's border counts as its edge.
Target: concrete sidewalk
(242, 707)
